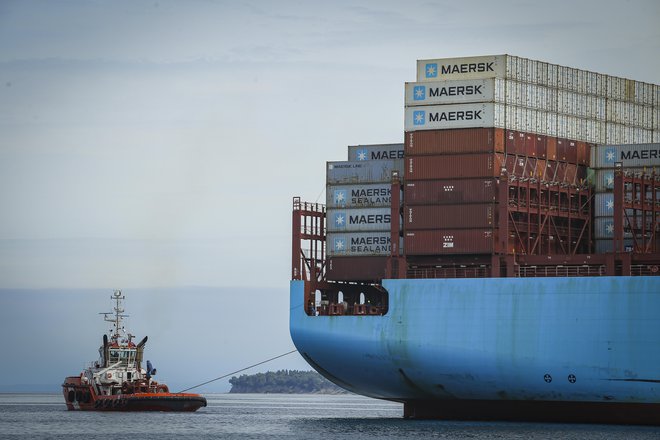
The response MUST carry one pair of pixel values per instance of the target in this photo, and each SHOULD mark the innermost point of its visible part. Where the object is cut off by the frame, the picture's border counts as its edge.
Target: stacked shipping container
(634, 158)
(358, 218)
(495, 162)
(472, 118)
(537, 97)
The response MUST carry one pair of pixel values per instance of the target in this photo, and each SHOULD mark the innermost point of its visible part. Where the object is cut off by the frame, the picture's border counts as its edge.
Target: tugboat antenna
(118, 312)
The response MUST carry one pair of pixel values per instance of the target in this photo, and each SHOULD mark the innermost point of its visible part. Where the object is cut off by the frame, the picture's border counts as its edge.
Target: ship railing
(449, 272)
(560, 271)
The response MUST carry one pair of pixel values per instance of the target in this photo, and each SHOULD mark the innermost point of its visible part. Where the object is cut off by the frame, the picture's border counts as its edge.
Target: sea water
(273, 416)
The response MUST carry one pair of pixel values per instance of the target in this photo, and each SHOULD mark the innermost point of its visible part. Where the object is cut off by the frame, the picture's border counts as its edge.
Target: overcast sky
(159, 143)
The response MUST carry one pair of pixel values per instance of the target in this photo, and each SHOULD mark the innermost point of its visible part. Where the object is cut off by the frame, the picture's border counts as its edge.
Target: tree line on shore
(284, 381)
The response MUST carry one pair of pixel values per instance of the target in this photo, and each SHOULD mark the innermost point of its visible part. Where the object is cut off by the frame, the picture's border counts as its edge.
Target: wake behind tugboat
(117, 381)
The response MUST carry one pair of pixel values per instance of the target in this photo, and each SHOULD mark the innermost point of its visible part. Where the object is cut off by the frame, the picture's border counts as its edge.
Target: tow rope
(238, 371)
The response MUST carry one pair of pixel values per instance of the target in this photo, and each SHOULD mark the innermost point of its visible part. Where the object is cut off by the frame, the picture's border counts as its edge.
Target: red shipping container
(457, 141)
(541, 146)
(423, 192)
(448, 216)
(560, 174)
(583, 153)
(530, 145)
(550, 170)
(453, 166)
(356, 268)
(562, 145)
(519, 164)
(530, 168)
(571, 151)
(541, 168)
(571, 171)
(450, 241)
(515, 142)
(551, 148)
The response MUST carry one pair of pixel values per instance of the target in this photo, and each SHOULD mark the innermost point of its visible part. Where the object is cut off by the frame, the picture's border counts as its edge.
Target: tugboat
(117, 381)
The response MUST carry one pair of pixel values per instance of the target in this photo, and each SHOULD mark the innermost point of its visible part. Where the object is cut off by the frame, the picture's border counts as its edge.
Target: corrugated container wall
(630, 156)
(450, 241)
(356, 268)
(368, 171)
(359, 195)
(358, 219)
(457, 141)
(480, 215)
(424, 192)
(375, 152)
(359, 244)
(453, 166)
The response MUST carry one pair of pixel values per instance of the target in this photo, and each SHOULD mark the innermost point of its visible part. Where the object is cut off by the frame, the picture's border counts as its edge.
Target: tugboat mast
(117, 319)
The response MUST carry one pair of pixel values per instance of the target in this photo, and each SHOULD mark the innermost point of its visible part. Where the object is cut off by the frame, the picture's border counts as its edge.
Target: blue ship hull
(570, 349)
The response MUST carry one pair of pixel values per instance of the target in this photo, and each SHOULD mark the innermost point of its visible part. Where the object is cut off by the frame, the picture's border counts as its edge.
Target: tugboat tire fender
(71, 395)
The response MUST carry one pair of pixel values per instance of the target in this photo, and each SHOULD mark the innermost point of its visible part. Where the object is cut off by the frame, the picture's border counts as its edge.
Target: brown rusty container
(453, 166)
(571, 171)
(551, 148)
(541, 168)
(450, 241)
(516, 166)
(515, 142)
(550, 170)
(356, 268)
(418, 217)
(560, 174)
(541, 146)
(583, 153)
(530, 168)
(571, 151)
(425, 192)
(562, 145)
(530, 145)
(457, 141)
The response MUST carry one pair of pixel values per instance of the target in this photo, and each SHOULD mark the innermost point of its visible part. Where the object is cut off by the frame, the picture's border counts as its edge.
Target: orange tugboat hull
(81, 397)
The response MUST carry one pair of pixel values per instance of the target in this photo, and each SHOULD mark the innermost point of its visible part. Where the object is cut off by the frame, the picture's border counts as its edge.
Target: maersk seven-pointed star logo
(340, 197)
(609, 204)
(610, 155)
(362, 154)
(609, 228)
(340, 244)
(419, 93)
(340, 219)
(432, 70)
(419, 117)
(609, 180)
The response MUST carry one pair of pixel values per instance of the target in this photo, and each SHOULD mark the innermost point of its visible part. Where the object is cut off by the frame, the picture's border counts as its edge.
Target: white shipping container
(360, 244)
(449, 92)
(440, 117)
(359, 219)
(366, 195)
(461, 68)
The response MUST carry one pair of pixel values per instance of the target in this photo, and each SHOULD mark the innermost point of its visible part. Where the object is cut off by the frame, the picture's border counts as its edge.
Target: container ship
(502, 263)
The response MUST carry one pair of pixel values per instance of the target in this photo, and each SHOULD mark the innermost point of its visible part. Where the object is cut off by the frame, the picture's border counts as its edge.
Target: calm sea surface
(246, 416)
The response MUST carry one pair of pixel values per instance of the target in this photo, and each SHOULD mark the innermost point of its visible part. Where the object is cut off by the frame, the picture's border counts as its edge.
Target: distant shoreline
(284, 382)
